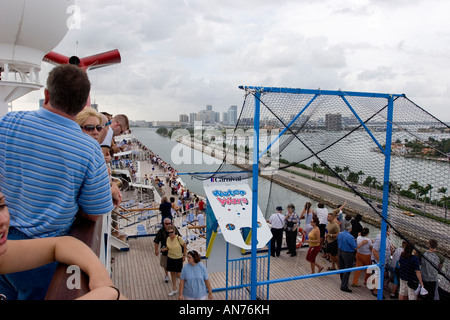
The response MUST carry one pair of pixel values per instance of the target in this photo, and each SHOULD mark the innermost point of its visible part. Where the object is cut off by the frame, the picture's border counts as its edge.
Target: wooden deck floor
(139, 277)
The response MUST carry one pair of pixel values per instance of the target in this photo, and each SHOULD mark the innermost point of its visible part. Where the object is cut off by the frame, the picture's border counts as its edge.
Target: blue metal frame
(255, 174)
(321, 92)
(237, 267)
(387, 169)
(362, 123)
(289, 125)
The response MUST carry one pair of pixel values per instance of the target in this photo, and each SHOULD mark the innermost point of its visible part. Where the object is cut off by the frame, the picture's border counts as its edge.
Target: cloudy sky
(180, 55)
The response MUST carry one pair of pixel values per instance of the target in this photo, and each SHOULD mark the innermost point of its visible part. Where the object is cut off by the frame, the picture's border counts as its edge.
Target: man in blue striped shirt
(49, 170)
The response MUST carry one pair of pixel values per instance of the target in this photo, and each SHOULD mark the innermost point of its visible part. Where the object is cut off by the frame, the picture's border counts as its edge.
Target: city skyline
(206, 116)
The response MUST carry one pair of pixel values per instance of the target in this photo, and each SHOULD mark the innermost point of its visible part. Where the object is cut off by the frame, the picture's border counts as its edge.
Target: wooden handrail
(120, 215)
(196, 227)
(90, 232)
(137, 210)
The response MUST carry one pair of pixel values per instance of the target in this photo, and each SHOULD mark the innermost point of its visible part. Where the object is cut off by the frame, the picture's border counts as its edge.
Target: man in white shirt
(277, 222)
(322, 215)
(201, 220)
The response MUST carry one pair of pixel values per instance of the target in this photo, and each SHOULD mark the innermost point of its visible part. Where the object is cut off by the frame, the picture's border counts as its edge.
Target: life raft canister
(300, 241)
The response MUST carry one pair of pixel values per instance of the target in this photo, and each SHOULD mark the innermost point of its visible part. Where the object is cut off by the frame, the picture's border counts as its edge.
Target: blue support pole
(255, 196)
(363, 124)
(268, 271)
(226, 274)
(387, 168)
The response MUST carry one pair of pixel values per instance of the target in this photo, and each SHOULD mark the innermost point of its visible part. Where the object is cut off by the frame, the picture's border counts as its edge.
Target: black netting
(340, 140)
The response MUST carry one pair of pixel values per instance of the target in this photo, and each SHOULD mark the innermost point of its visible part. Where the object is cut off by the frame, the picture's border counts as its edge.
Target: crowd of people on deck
(184, 269)
(343, 241)
(193, 277)
(53, 169)
(187, 202)
(340, 238)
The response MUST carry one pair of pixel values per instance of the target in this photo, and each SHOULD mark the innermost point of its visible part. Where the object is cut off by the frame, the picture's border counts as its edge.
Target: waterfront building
(184, 118)
(333, 122)
(192, 117)
(232, 115)
(224, 117)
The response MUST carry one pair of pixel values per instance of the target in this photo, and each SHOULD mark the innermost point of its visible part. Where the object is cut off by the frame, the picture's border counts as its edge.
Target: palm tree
(353, 177)
(338, 171)
(415, 186)
(396, 188)
(444, 198)
(375, 184)
(423, 192)
(314, 167)
(346, 170)
(326, 171)
(368, 183)
(442, 190)
(360, 173)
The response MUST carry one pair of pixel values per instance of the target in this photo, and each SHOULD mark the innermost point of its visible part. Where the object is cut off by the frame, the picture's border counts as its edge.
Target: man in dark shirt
(356, 225)
(165, 208)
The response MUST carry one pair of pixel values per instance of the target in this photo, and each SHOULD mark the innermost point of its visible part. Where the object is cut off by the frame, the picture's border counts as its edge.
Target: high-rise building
(184, 118)
(333, 122)
(225, 117)
(232, 115)
(210, 116)
(201, 116)
(192, 118)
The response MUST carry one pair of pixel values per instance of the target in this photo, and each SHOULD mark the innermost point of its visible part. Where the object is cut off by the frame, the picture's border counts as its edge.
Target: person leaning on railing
(91, 123)
(21, 255)
(50, 171)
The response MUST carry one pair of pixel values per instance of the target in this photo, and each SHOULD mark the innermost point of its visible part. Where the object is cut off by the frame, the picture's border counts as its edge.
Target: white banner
(231, 201)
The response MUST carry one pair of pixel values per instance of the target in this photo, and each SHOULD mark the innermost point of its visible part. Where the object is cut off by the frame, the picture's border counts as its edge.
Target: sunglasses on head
(91, 127)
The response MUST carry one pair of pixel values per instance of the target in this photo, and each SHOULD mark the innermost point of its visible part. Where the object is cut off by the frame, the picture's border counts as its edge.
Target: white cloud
(178, 56)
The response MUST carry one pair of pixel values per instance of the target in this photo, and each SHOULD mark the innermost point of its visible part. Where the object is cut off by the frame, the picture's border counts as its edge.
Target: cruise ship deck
(138, 275)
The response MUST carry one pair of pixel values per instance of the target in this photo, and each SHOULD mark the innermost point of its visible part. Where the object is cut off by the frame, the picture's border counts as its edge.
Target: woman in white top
(307, 214)
(363, 254)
